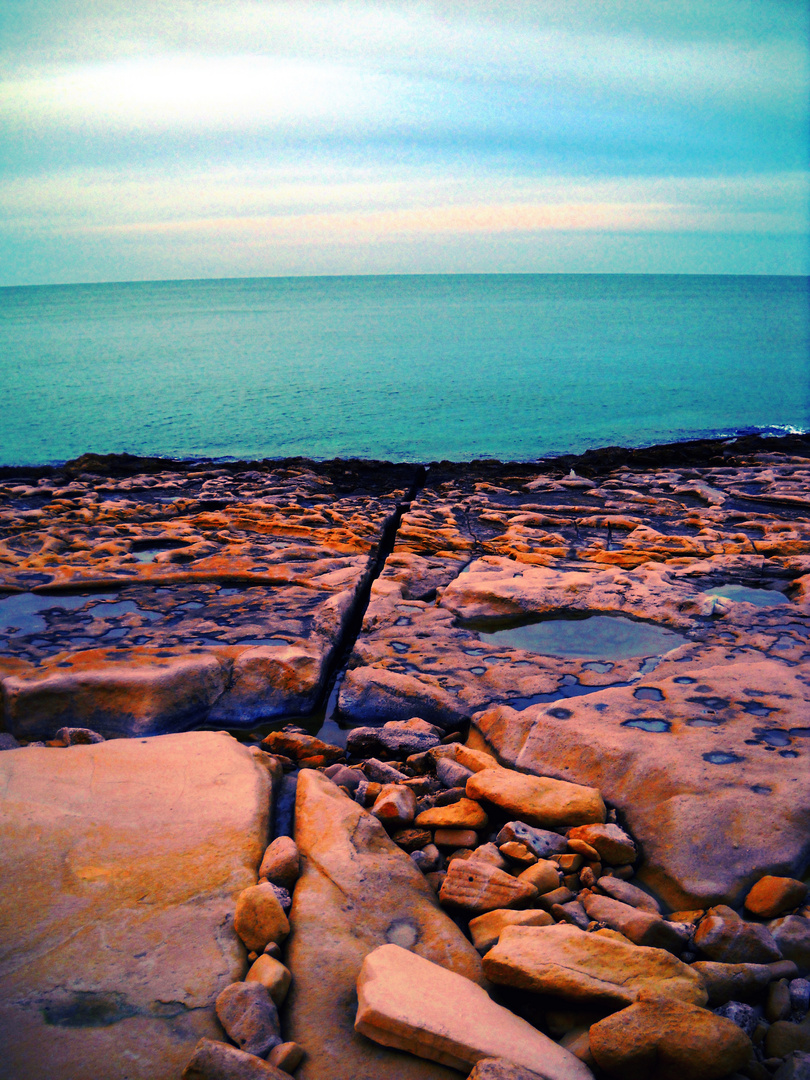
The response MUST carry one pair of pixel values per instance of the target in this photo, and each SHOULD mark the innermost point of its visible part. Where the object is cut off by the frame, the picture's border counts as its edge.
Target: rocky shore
(518, 785)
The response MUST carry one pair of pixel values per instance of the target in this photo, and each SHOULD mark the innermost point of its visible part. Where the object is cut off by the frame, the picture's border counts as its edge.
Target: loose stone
(259, 917)
(613, 845)
(286, 1056)
(538, 800)
(273, 976)
(723, 935)
(249, 1016)
(486, 929)
(668, 1040)
(280, 864)
(544, 875)
(395, 806)
(464, 814)
(792, 936)
(405, 1001)
(455, 838)
(214, 1060)
(541, 842)
(597, 969)
(773, 896)
(478, 887)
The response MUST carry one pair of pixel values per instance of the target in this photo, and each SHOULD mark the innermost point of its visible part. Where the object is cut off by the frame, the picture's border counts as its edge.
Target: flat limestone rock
(121, 864)
(409, 1003)
(694, 763)
(357, 890)
(564, 961)
(538, 800)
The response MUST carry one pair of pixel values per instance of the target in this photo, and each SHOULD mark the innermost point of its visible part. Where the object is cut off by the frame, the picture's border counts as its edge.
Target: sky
(164, 139)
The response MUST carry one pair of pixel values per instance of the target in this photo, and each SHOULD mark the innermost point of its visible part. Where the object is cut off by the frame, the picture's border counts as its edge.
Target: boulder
(357, 890)
(538, 800)
(122, 862)
(408, 1002)
(595, 969)
(668, 1040)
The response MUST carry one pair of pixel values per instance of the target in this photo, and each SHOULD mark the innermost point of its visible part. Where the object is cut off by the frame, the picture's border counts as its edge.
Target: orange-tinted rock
(773, 896)
(722, 935)
(538, 800)
(612, 844)
(668, 1040)
(479, 886)
(464, 814)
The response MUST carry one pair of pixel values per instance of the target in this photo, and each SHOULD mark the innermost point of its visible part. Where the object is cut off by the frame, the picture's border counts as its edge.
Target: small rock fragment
(723, 935)
(501, 1069)
(541, 842)
(744, 1016)
(543, 875)
(486, 929)
(287, 1056)
(395, 806)
(214, 1060)
(455, 838)
(78, 736)
(464, 814)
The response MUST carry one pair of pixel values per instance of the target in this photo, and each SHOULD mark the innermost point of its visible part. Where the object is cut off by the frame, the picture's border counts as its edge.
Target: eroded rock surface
(121, 863)
(690, 716)
(135, 603)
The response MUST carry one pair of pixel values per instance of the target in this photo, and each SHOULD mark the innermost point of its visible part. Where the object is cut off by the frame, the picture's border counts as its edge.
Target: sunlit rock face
(138, 604)
(121, 864)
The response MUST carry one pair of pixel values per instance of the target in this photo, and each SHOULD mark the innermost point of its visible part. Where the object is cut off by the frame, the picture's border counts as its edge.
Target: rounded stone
(259, 917)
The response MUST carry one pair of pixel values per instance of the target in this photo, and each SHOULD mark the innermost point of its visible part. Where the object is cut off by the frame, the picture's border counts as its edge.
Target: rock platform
(595, 676)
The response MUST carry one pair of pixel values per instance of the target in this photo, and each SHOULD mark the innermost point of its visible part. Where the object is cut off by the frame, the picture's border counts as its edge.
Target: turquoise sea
(403, 367)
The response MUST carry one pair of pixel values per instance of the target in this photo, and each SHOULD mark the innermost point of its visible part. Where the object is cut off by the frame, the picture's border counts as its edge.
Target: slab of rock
(214, 1060)
(668, 1040)
(478, 886)
(122, 862)
(406, 1002)
(565, 961)
(357, 891)
(538, 800)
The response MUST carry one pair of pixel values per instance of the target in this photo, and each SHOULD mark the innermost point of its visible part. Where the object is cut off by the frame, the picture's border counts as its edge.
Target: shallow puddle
(21, 613)
(742, 594)
(602, 637)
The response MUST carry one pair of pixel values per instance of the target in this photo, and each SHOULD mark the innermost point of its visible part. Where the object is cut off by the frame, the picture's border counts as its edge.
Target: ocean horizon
(400, 367)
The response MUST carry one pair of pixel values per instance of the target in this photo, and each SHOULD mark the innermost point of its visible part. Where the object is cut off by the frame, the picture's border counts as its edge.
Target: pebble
(428, 858)
(395, 806)
(455, 838)
(773, 896)
(518, 852)
(287, 1056)
(612, 844)
(544, 875)
(411, 839)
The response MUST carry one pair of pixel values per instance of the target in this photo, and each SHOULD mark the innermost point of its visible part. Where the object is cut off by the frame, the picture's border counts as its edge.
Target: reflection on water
(742, 594)
(603, 637)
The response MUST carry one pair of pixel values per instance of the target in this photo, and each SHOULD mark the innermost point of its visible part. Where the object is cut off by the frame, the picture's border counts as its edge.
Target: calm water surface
(408, 368)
